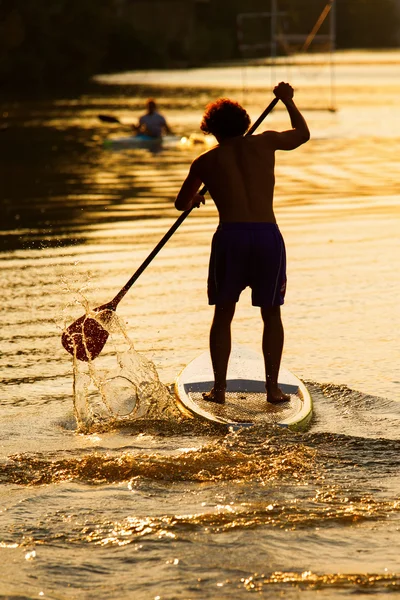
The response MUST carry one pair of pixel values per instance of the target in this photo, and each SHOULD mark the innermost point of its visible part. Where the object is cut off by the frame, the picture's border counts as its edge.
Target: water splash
(119, 384)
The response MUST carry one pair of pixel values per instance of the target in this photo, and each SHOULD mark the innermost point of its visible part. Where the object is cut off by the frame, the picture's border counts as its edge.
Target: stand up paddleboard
(246, 401)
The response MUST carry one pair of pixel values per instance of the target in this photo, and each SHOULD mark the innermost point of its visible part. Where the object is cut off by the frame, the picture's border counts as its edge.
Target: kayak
(151, 143)
(141, 141)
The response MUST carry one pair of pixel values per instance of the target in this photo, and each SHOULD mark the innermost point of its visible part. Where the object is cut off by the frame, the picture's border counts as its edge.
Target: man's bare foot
(276, 396)
(215, 395)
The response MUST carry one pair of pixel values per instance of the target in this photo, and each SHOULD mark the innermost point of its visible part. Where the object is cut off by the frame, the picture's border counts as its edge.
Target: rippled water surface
(107, 491)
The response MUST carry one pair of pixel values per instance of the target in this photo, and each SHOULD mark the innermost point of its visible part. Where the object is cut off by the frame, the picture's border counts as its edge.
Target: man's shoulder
(159, 116)
(265, 136)
(155, 116)
(208, 154)
(265, 141)
(205, 158)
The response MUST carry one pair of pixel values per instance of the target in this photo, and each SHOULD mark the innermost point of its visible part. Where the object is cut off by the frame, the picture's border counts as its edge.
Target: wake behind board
(246, 401)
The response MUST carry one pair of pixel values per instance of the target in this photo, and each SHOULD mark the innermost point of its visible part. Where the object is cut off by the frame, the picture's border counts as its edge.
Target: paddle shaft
(113, 304)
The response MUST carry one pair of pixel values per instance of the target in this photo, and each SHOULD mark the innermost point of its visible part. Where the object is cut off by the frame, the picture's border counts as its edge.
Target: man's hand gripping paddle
(86, 337)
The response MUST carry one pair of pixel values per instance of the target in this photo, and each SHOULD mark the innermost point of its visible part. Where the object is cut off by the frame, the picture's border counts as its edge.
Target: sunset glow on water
(101, 499)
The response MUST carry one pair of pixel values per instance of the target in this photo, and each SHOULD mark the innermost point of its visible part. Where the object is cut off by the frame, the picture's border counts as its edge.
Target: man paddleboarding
(247, 248)
(152, 123)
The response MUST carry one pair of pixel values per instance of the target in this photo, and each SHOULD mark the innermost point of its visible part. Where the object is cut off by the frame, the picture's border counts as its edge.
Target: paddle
(109, 119)
(85, 338)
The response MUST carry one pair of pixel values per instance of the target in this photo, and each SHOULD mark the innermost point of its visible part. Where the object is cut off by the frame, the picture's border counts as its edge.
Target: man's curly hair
(225, 118)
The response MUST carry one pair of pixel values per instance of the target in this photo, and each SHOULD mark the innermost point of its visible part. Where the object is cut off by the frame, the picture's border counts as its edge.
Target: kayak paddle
(109, 119)
(85, 338)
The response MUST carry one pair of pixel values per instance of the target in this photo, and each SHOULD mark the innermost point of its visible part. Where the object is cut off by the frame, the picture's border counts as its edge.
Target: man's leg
(220, 349)
(272, 346)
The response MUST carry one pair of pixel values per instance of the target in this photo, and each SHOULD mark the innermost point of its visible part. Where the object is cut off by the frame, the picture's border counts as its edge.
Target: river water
(97, 504)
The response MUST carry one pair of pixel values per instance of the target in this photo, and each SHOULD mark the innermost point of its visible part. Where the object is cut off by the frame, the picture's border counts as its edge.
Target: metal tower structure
(295, 46)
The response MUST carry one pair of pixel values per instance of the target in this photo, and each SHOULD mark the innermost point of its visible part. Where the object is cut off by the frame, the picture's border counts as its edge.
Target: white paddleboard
(245, 401)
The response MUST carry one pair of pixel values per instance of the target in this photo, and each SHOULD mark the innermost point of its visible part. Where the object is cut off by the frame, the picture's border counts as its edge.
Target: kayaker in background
(152, 123)
(247, 248)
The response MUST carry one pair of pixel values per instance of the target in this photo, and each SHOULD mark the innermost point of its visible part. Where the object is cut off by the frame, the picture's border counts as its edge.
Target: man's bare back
(239, 172)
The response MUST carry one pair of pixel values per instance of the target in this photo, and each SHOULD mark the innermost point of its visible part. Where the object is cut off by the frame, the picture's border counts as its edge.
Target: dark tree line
(52, 43)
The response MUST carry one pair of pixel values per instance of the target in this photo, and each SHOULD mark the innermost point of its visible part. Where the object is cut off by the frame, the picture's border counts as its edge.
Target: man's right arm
(139, 127)
(289, 140)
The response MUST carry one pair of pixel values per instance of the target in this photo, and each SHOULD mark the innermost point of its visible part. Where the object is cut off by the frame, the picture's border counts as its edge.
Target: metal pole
(274, 10)
(332, 32)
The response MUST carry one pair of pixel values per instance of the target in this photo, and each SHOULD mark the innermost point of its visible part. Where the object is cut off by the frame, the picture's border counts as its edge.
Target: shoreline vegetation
(53, 47)
(106, 83)
(165, 82)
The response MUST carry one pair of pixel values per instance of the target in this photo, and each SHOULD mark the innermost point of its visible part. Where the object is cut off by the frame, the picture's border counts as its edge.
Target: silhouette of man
(247, 248)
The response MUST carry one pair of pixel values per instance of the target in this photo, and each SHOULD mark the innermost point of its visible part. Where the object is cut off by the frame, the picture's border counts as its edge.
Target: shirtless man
(152, 123)
(247, 248)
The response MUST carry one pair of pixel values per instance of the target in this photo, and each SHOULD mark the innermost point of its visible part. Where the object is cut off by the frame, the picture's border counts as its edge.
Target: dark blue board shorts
(247, 254)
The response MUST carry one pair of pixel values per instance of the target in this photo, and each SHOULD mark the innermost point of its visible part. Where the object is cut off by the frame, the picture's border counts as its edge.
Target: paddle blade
(86, 337)
(108, 119)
